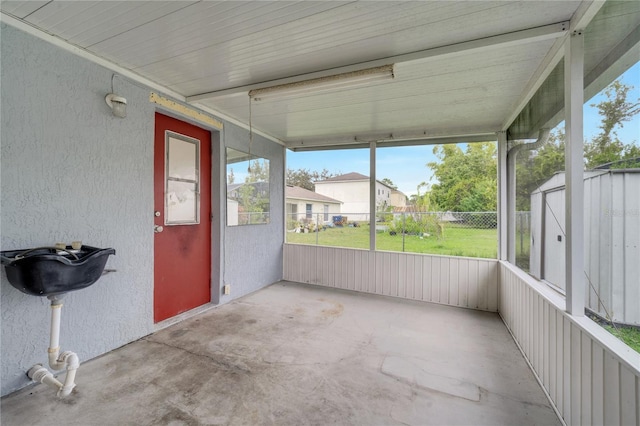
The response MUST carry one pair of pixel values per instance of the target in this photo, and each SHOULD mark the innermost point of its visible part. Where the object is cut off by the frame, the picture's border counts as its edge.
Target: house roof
(462, 70)
(353, 176)
(305, 194)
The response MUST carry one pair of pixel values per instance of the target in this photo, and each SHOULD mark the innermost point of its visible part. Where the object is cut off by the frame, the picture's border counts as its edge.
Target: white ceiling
(461, 67)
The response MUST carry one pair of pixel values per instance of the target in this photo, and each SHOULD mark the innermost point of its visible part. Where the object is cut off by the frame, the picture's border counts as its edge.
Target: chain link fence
(435, 223)
(471, 234)
(315, 222)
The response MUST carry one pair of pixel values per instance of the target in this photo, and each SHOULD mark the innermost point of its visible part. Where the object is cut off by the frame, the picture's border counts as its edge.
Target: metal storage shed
(611, 240)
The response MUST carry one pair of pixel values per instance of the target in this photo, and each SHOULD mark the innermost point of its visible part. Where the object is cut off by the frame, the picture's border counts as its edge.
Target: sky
(406, 166)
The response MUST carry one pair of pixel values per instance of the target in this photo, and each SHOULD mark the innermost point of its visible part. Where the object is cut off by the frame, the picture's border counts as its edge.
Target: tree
(389, 183)
(615, 111)
(467, 180)
(305, 178)
(533, 168)
(258, 171)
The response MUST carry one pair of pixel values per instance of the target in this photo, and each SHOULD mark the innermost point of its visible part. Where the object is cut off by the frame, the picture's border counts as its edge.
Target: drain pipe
(57, 361)
(512, 154)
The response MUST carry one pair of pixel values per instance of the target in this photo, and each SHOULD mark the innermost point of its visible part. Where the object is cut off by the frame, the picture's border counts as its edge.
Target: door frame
(218, 194)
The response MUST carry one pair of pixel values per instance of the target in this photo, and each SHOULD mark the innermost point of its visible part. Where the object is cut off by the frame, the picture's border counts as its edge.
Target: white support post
(502, 196)
(574, 165)
(372, 196)
(511, 206)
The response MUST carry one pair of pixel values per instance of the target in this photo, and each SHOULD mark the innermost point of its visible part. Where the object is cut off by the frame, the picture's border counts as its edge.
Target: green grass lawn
(630, 336)
(457, 241)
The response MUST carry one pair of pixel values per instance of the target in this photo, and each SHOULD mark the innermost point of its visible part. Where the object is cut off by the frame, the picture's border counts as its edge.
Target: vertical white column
(574, 165)
(372, 196)
(502, 196)
(511, 205)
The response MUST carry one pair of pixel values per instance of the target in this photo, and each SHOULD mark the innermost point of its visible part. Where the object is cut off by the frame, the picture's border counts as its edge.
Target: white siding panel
(631, 250)
(611, 390)
(589, 382)
(454, 281)
(351, 270)
(553, 350)
(438, 279)
(444, 281)
(427, 268)
(585, 376)
(547, 336)
(597, 385)
(629, 404)
(408, 277)
(575, 370)
(617, 246)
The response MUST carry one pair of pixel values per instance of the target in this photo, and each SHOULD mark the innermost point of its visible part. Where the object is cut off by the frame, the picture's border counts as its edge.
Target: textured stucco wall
(253, 253)
(72, 171)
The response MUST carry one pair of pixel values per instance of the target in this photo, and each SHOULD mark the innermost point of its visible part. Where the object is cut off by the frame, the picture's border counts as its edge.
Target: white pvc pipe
(42, 375)
(66, 359)
(72, 362)
(54, 336)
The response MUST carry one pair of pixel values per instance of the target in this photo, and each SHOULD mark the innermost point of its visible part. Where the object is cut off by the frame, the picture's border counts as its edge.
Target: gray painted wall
(70, 171)
(253, 253)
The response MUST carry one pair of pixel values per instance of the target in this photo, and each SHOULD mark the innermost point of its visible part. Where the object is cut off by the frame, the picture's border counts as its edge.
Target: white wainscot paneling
(457, 281)
(591, 377)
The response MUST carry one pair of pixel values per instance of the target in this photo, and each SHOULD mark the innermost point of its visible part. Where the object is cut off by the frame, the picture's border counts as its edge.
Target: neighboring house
(353, 190)
(303, 205)
(611, 240)
(398, 198)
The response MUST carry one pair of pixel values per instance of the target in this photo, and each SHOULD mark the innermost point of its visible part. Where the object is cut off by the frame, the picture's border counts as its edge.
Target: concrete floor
(292, 354)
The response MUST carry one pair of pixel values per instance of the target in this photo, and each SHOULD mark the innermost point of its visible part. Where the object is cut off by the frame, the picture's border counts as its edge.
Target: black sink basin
(46, 271)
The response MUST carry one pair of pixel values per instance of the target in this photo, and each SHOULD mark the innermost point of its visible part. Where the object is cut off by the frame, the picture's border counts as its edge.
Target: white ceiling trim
(124, 72)
(502, 40)
(85, 54)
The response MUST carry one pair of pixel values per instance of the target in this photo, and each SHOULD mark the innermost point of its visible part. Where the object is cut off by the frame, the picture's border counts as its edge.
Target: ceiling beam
(498, 41)
(585, 14)
(321, 145)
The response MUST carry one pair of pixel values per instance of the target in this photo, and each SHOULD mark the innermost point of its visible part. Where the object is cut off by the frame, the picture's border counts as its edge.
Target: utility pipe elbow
(40, 374)
(55, 363)
(70, 359)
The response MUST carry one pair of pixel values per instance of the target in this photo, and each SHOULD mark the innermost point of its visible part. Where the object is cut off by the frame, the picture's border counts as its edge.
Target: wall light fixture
(118, 105)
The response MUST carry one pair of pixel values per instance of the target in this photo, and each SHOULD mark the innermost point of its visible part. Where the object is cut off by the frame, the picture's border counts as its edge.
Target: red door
(182, 200)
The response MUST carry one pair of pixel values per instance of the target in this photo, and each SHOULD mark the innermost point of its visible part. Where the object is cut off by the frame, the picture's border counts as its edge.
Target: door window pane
(182, 180)
(181, 202)
(182, 159)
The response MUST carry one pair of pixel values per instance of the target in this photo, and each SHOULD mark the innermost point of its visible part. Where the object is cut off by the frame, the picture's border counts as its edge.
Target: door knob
(158, 229)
